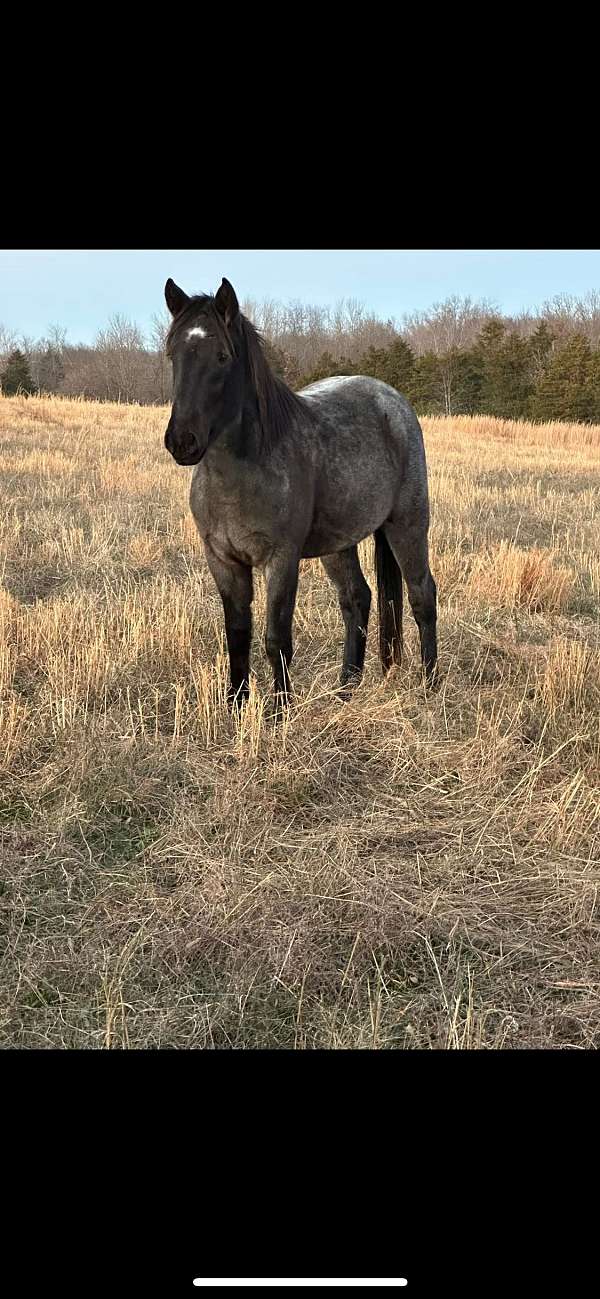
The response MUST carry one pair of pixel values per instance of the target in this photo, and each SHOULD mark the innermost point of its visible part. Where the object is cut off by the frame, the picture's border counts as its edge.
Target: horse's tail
(389, 602)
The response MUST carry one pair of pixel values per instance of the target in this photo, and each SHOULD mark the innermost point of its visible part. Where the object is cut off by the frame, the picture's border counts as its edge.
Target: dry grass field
(393, 872)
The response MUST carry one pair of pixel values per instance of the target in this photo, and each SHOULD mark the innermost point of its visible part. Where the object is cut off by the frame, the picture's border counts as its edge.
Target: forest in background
(460, 357)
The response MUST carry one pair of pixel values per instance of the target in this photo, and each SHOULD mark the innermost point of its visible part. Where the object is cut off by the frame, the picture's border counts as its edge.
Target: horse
(282, 476)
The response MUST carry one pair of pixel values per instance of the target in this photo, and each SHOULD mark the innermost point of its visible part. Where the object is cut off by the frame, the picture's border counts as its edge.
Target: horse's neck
(241, 440)
(250, 445)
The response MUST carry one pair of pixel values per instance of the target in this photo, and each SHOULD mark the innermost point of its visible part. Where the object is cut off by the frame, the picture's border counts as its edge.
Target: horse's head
(208, 372)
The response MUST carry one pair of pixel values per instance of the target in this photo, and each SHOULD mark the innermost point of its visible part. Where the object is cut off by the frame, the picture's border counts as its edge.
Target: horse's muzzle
(189, 458)
(184, 450)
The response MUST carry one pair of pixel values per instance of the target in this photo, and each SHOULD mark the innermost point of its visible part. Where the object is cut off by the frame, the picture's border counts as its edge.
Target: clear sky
(80, 289)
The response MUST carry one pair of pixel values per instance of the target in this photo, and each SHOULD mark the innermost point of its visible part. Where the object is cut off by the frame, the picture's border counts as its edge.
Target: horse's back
(368, 412)
(362, 397)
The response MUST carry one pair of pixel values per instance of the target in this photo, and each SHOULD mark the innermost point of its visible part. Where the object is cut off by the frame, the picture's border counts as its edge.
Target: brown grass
(398, 871)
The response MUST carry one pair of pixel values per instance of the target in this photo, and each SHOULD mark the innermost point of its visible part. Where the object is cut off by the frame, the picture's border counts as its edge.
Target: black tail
(389, 602)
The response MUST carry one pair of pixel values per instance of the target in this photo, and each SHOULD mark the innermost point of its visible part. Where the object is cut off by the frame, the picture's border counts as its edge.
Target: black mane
(278, 405)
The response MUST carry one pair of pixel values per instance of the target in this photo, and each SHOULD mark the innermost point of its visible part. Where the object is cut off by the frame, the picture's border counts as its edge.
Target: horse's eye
(222, 357)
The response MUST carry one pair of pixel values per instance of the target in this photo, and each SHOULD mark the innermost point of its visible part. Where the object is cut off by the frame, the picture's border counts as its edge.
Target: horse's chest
(227, 524)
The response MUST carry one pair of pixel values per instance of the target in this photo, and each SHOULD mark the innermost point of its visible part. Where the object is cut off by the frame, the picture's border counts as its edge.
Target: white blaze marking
(197, 332)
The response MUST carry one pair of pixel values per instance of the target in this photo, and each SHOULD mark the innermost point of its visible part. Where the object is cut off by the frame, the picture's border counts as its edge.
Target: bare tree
(8, 341)
(454, 323)
(57, 337)
(567, 314)
(524, 324)
(122, 358)
(304, 332)
(160, 328)
(447, 329)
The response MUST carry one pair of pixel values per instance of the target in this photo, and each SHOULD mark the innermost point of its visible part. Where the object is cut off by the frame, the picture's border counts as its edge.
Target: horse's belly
(329, 543)
(347, 522)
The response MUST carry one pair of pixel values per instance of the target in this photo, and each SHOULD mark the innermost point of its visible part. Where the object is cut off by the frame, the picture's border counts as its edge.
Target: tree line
(460, 357)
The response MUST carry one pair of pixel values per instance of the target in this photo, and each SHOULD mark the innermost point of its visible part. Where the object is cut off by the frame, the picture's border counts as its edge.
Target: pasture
(398, 871)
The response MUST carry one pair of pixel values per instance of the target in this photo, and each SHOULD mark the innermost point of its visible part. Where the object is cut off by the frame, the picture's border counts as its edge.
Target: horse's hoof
(348, 683)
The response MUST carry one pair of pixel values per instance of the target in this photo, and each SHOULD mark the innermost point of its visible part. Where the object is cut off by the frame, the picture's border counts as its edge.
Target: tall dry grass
(397, 871)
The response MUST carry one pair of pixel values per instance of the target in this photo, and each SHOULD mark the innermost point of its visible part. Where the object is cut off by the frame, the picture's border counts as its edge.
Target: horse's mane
(278, 406)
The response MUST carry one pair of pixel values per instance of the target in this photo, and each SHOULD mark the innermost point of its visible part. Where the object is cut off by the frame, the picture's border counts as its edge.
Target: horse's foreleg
(234, 582)
(282, 584)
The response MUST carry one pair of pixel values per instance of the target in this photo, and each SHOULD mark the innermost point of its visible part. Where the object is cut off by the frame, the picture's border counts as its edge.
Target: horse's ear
(175, 298)
(226, 303)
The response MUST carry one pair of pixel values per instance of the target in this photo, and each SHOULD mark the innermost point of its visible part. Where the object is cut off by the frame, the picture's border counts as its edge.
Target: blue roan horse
(282, 476)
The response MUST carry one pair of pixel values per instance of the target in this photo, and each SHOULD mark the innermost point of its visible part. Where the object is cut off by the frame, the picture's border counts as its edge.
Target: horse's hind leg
(345, 572)
(409, 546)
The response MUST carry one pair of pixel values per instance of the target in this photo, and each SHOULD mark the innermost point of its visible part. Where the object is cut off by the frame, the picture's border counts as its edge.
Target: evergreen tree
(505, 385)
(540, 346)
(445, 383)
(515, 385)
(568, 389)
(463, 379)
(428, 387)
(595, 384)
(394, 365)
(16, 376)
(488, 348)
(326, 366)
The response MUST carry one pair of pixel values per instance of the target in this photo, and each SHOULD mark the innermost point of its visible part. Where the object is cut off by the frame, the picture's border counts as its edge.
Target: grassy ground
(393, 872)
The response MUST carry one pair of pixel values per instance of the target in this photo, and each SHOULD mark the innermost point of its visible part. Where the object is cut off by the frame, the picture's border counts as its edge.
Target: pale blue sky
(80, 289)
